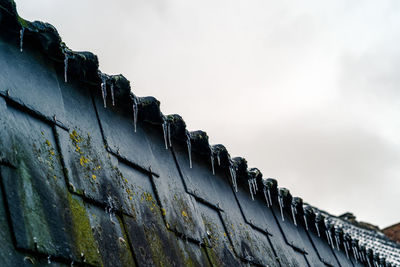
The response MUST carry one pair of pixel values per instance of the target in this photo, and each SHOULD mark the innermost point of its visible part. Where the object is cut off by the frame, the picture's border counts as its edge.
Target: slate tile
(109, 234)
(22, 74)
(324, 251)
(121, 138)
(218, 245)
(171, 191)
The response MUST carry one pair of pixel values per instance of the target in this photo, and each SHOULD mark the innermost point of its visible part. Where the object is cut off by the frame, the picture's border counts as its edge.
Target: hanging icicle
(305, 221)
(135, 109)
(294, 212)
(266, 195)
(346, 248)
(253, 187)
(104, 88)
(317, 228)
(212, 159)
(112, 92)
(232, 170)
(21, 39)
(165, 131)
(169, 134)
(189, 147)
(280, 200)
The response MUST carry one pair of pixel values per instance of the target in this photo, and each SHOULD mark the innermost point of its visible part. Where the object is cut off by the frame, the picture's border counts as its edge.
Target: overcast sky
(307, 91)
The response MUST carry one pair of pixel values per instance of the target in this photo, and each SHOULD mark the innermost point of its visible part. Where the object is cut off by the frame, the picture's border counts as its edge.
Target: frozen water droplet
(355, 253)
(212, 160)
(135, 109)
(48, 260)
(189, 147)
(66, 57)
(112, 93)
(280, 200)
(294, 212)
(232, 171)
(21, 39)
(345, 244)
(266, 197)
(269, 196)
(317, 227)
(337, 242)
(305, 221)
(169, 134)
(330, 239)
(104, 88)
(251, 189)
(165, 132)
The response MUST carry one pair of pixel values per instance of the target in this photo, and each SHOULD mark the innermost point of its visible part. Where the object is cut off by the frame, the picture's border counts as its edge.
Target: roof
(393, 232)
(92, 174)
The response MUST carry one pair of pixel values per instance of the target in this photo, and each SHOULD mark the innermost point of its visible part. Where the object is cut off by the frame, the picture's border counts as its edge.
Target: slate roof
(93, 175)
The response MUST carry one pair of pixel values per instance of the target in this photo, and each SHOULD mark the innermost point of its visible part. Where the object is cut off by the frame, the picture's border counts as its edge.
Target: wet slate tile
(199, 180)
(121, 138)
(89, 169)
(290, 231)
(109, 234)
(37, 197)
(8, 255)
(324, 251)
(295, 236)
(218, 245)
(152, 242)
(342, 258)
(171, 191)
(22, 74)
(246, 243)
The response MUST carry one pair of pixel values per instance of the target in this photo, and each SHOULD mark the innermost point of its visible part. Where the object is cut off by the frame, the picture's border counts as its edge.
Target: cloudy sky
(307, 91)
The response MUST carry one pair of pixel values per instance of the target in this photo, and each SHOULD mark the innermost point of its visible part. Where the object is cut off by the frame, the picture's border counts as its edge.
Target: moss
(82, 232)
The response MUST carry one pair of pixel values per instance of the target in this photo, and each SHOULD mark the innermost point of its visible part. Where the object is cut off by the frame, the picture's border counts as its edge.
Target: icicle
(266, 196)
(369, 263)
(305, 221)
(135, 109)
(337, 242)
(112, 93)
(165, 131)
(48, 260)
(72, 263)
(355, 253)
(233, 174)
(294, 212)
(345, 244)
(218, 159)
(66, 57)
(280, 200)
(189, 147)
(212, 160)
(317, 227)
(327, 237)
(169, 134)
(251, 188)
(21, 39)
(330, 239)
(269, 196)
(104, 89)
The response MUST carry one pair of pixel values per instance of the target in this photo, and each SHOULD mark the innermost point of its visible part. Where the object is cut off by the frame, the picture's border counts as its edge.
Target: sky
(307, 91)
